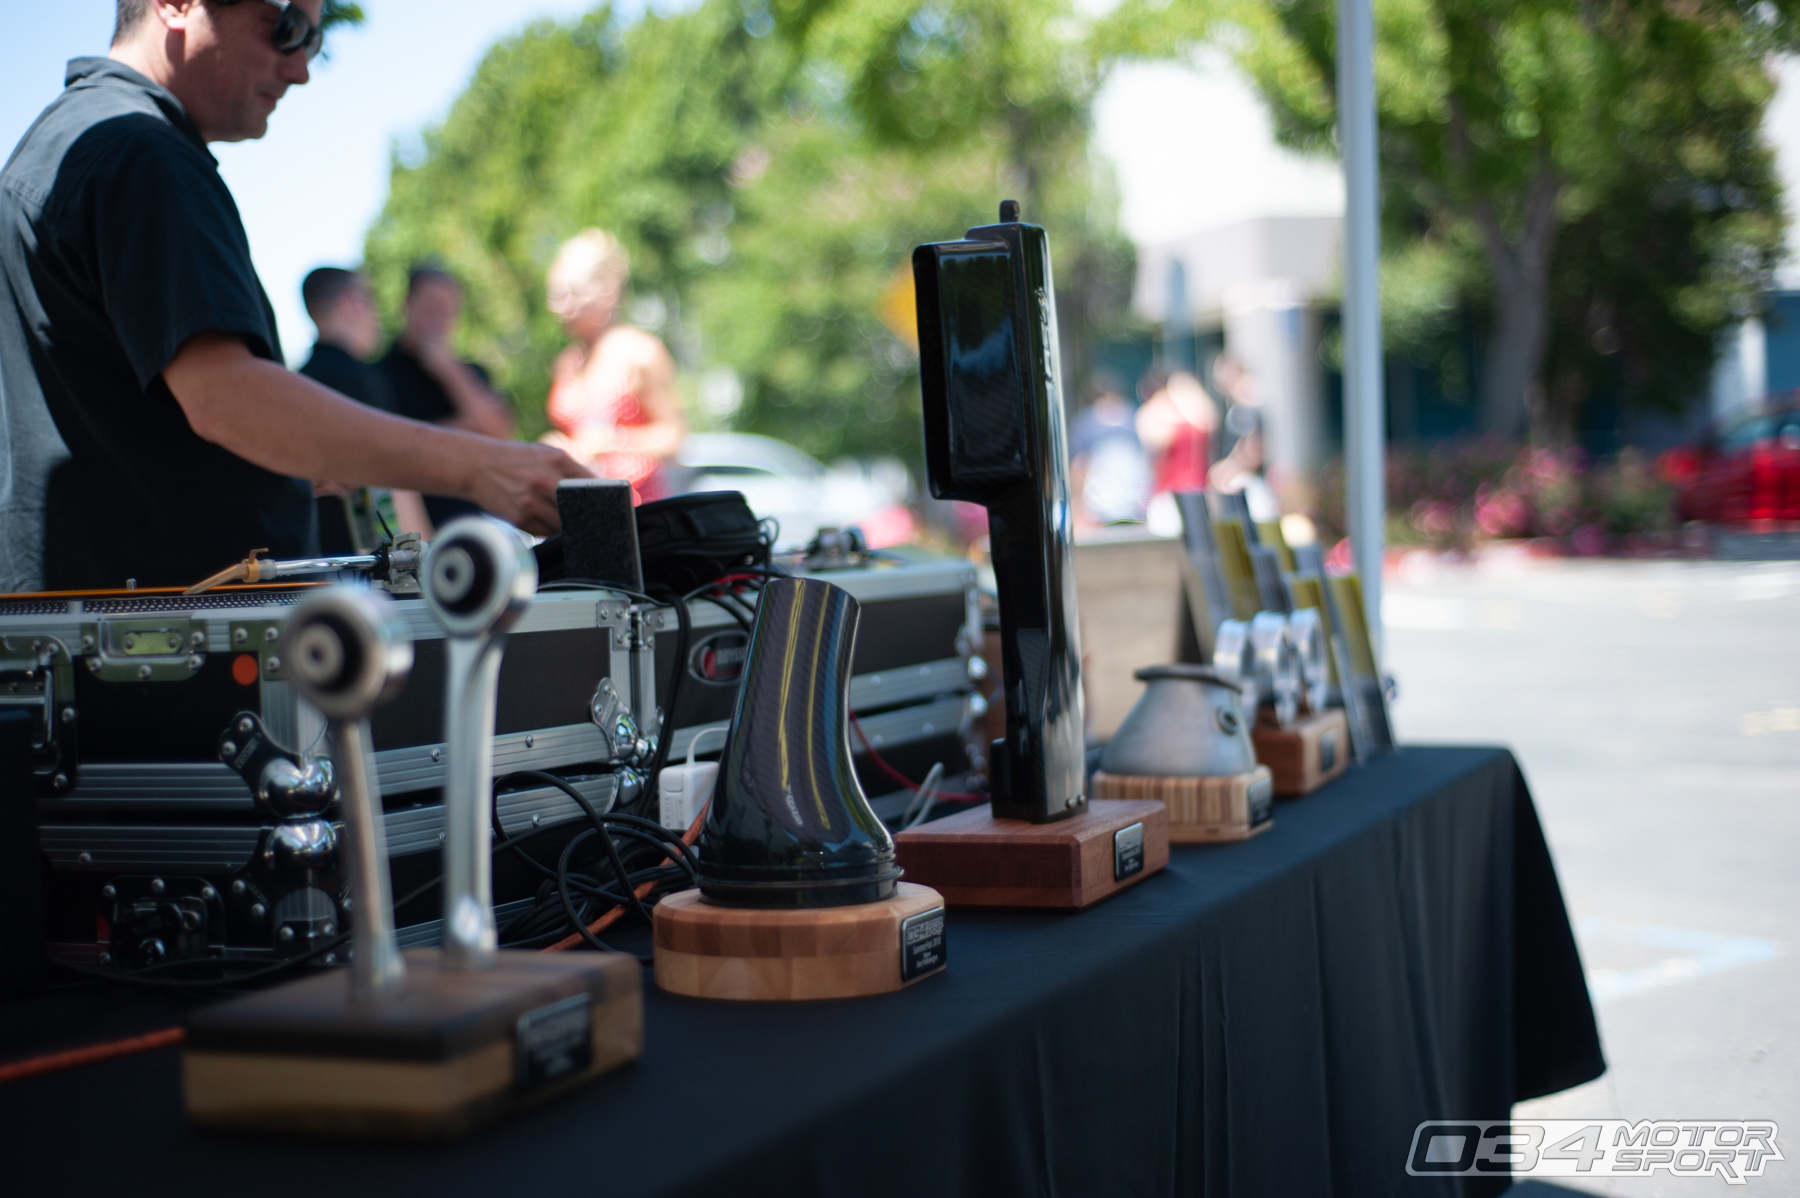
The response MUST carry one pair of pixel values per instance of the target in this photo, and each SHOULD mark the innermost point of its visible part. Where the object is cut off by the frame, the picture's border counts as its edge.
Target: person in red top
(613, 401)
(1175, 427)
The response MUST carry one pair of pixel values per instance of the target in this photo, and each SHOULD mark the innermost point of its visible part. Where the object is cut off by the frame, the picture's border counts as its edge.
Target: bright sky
(1194, 150)
(1192, 146)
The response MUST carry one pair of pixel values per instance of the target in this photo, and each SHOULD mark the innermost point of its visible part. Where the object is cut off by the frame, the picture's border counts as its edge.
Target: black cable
(594, 817)
(562, 867)
(633, 827)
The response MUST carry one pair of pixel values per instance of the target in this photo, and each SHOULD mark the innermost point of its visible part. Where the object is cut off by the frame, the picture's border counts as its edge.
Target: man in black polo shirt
(430, 381)
(150, 429)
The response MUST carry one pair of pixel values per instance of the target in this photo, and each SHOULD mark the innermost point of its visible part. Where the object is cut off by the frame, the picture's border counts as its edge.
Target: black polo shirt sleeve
(170, 256)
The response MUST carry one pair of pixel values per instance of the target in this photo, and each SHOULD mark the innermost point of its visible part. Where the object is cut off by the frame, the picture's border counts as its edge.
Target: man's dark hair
(429, 273)
(130, 12)
(321, 290)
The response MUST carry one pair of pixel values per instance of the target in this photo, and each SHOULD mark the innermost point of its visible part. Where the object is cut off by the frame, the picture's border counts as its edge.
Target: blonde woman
(613, 400)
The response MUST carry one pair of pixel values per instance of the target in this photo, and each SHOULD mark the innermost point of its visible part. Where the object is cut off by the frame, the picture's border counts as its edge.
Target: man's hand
(285, 422)
(519, 485)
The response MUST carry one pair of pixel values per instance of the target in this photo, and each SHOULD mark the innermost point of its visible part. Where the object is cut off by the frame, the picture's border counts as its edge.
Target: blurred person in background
(343, 309)
(1241, 469)
(428, 380)
(1175, 424)
(613, 401)
(1109, 478)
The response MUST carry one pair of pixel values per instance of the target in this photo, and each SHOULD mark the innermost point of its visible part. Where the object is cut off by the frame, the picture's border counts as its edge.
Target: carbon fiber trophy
(429, 1045)
(799, 896)
(991, 376)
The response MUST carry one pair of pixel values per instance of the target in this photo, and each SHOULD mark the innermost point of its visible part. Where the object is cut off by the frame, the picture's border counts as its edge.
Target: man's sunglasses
(294, 31)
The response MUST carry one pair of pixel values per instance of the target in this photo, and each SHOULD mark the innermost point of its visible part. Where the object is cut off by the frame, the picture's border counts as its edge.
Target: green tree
(1600, 160)
(768, 218)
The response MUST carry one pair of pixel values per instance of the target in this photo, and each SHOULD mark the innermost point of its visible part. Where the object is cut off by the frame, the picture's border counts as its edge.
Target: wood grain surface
(1200, 810)
(1296, 755)
(431, 1063)
(976, 860)
(709, 951)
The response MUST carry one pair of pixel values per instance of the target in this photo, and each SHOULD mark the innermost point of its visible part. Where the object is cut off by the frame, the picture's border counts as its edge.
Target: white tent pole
(1365, 434)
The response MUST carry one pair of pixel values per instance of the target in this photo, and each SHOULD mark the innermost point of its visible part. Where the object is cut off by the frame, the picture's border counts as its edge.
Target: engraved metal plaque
(922, 947)
(1327, 752)
(1128, 852)
(554, 1042)
(1262, 800)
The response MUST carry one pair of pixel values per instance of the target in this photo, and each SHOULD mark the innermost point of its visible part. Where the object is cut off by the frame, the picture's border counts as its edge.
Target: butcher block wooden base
(709, 951)
(1308, 754)
(1201, 810)
(448, 1052)
(975, 860)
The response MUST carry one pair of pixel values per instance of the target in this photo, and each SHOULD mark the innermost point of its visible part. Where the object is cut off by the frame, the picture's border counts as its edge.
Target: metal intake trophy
(432, 1045)
(479, 578)
(799, 896)
(1266, 634)
(346, 655)
(991, 377)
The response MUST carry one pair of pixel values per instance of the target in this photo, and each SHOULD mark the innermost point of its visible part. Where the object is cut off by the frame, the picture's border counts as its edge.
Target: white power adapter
(683, 790)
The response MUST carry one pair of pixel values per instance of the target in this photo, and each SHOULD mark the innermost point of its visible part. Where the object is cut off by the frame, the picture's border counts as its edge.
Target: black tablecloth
(1272, 1017)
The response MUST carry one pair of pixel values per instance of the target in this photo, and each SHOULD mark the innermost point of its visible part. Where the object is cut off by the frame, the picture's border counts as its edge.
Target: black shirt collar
(109, 72)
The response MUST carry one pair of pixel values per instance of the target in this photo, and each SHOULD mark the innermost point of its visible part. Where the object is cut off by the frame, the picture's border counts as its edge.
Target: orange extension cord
(50, 1062)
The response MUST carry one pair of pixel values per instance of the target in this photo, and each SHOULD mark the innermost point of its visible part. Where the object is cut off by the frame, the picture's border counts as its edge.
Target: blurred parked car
(1745, 470)
(802, 495)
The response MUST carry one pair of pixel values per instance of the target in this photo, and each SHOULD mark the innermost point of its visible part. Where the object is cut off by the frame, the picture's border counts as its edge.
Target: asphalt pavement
(1655, 708)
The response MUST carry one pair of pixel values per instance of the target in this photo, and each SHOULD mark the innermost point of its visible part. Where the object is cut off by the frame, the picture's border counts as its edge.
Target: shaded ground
(1655, 707)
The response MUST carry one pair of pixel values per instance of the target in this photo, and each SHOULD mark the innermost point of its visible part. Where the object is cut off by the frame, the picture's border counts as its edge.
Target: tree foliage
(770, 206)
(1588, 173)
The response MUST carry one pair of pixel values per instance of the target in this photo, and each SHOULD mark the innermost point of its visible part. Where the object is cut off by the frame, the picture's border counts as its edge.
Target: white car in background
(780, 481)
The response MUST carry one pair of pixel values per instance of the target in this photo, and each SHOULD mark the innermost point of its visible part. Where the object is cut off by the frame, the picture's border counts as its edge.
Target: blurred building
(1759, 355)
(1266, 289)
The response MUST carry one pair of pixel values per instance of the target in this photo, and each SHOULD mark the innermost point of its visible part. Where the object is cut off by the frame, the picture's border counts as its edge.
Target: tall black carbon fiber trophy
(992, 387)
(991, 377)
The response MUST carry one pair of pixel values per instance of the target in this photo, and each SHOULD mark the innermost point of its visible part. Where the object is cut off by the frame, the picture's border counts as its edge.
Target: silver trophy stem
(376, 968)
(470, 937)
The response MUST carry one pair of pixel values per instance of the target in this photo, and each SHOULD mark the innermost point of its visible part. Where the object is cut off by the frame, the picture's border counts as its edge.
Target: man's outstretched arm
(289, 424)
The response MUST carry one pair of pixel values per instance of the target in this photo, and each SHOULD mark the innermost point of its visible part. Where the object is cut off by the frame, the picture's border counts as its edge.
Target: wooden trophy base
(1306, 755)
(708, 951)
(448, 1052)
(1201, 810)
(976, 860)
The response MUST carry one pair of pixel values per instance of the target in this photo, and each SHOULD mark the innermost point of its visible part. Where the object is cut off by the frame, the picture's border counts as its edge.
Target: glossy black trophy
(789, 825)
(994, 434)
(991, 377)
(799, 896)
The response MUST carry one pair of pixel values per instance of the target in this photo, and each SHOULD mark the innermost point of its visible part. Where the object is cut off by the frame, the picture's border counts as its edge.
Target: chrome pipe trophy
(347, 654)
(991, 375)
(427, 1048)
(479, 579)
(278, 1060)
